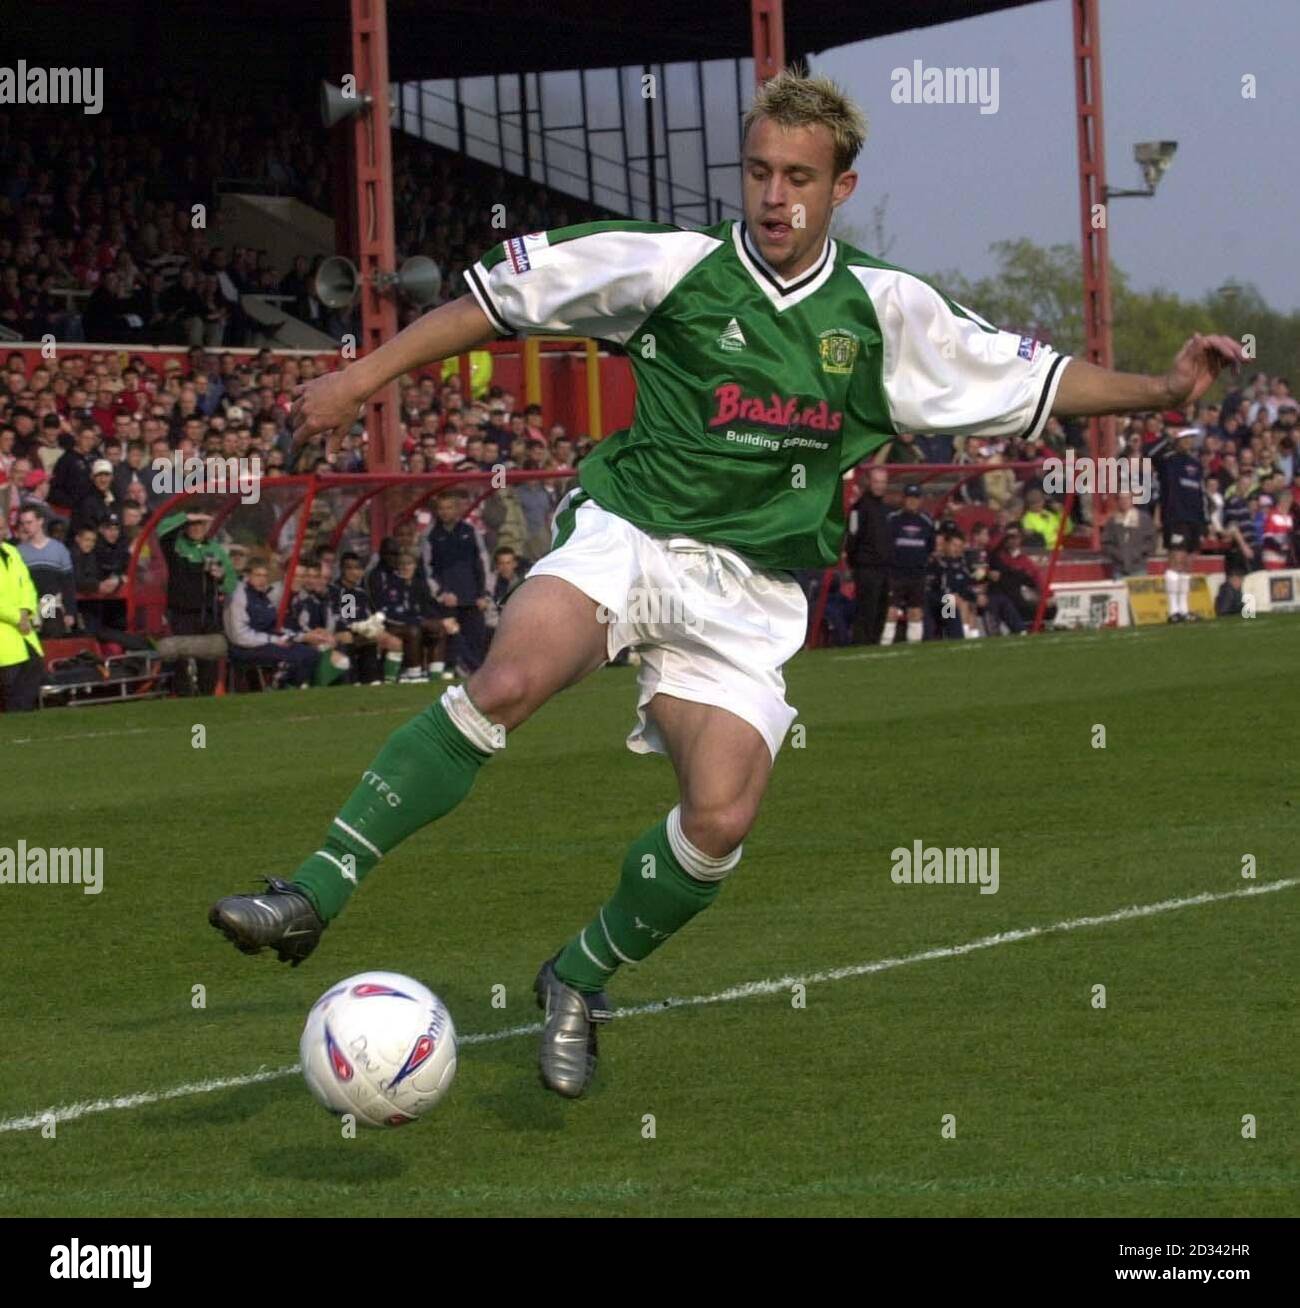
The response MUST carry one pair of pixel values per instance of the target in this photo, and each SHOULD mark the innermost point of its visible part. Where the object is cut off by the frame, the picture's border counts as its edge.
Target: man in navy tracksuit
(350, 601)
(911, 536)
(459, 573)
(1182, 515)
(255, 636)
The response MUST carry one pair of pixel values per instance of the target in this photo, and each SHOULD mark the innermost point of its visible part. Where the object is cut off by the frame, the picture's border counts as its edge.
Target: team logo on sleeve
(523, 253)
(1029, 348)
(839, 350)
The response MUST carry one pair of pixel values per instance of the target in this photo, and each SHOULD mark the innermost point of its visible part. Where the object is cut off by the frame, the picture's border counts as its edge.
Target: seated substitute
(255, 636)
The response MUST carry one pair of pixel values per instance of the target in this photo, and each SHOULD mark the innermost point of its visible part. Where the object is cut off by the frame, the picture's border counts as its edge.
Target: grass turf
(759, 1106)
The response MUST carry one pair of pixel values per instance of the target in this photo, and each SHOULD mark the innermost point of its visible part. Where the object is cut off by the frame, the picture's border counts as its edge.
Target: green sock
(655, 898)
(423, 771)
(392, 666)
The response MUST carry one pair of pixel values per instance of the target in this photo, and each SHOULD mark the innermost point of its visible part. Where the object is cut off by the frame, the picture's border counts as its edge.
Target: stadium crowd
(79, 437)
(98, 235)
(1224, 480)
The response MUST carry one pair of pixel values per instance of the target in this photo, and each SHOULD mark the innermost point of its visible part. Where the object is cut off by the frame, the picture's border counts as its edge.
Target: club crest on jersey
(1029, 348)
(839, 350)
(732, 339)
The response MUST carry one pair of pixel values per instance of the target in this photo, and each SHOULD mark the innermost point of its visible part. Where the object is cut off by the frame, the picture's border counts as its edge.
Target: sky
(958, 180)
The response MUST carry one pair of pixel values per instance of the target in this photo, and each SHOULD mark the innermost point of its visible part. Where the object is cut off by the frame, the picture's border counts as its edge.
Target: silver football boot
(567, 1058)
(280, 917)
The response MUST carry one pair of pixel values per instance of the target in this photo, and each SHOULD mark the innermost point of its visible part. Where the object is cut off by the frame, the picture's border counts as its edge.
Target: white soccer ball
(381, 1046)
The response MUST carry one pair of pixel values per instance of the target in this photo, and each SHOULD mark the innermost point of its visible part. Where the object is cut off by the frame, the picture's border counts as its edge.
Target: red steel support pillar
(373, 219)
(767, 22)
(1095, 217)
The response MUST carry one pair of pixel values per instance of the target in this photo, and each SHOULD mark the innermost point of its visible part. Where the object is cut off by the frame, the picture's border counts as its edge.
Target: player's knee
(717, 829)
(502, 691)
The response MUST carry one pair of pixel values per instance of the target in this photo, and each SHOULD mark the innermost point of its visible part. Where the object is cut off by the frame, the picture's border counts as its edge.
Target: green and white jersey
(756, 394)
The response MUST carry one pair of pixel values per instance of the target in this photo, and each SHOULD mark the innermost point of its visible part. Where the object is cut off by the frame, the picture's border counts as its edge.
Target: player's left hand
(1198, 363)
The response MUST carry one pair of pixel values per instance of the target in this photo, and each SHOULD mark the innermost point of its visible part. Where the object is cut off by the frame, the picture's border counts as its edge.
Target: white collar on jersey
(783, 294)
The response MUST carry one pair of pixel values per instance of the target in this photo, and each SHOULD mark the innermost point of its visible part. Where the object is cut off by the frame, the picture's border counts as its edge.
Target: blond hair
(794, 98)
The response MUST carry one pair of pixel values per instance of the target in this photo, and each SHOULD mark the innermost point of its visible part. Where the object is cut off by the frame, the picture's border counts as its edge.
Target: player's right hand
(329, 403)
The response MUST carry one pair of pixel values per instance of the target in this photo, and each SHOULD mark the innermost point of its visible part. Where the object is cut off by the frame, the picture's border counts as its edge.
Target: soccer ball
(379, 1045)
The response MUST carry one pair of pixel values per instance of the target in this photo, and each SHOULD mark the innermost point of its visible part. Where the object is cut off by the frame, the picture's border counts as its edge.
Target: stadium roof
(288, 40)
(493, 35)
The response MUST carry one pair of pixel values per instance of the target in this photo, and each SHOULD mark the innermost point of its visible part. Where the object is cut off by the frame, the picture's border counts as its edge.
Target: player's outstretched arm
(330, 403)
(1086, 389)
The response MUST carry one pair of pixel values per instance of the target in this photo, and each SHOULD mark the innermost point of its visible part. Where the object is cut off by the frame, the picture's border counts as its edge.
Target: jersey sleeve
(944, 369)
(598, 279)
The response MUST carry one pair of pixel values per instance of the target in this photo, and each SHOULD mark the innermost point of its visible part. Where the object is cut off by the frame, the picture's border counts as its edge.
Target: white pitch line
(750, 990)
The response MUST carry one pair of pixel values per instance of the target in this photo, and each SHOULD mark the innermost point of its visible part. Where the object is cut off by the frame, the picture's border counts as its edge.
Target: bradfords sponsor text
(775, 411)
(928, 865)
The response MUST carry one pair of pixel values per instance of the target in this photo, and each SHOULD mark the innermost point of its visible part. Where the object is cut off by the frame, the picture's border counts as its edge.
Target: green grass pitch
(759, 1106)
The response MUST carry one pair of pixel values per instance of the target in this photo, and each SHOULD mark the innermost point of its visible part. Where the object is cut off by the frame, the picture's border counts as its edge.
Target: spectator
(49, 451)
(1128, 539)
(503, 578)
(351, 601)
(867, 551)
(1279, 525)
(951, 600)
(911, 542)
(50, 566)
(35, 494)
(504, 519)
(1214, 503)
(314, 621)
(403, 596)
(131, 471)
(22, 659)
(538, 500)
(99, 502)
(255, 636)
(113, 558)
(1230, 600)
(901, 449)
(1014, 577)
(199, 574)
(458, 571)
(1182, 513)
(71, 477)
(1239, 526)
(1040, 522)
(100, 614)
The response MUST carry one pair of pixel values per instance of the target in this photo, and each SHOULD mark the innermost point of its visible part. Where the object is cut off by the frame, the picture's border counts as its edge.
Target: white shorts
(708, 627)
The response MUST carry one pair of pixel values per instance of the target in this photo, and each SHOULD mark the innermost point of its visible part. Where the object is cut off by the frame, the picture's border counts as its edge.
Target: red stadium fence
(299, 515)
